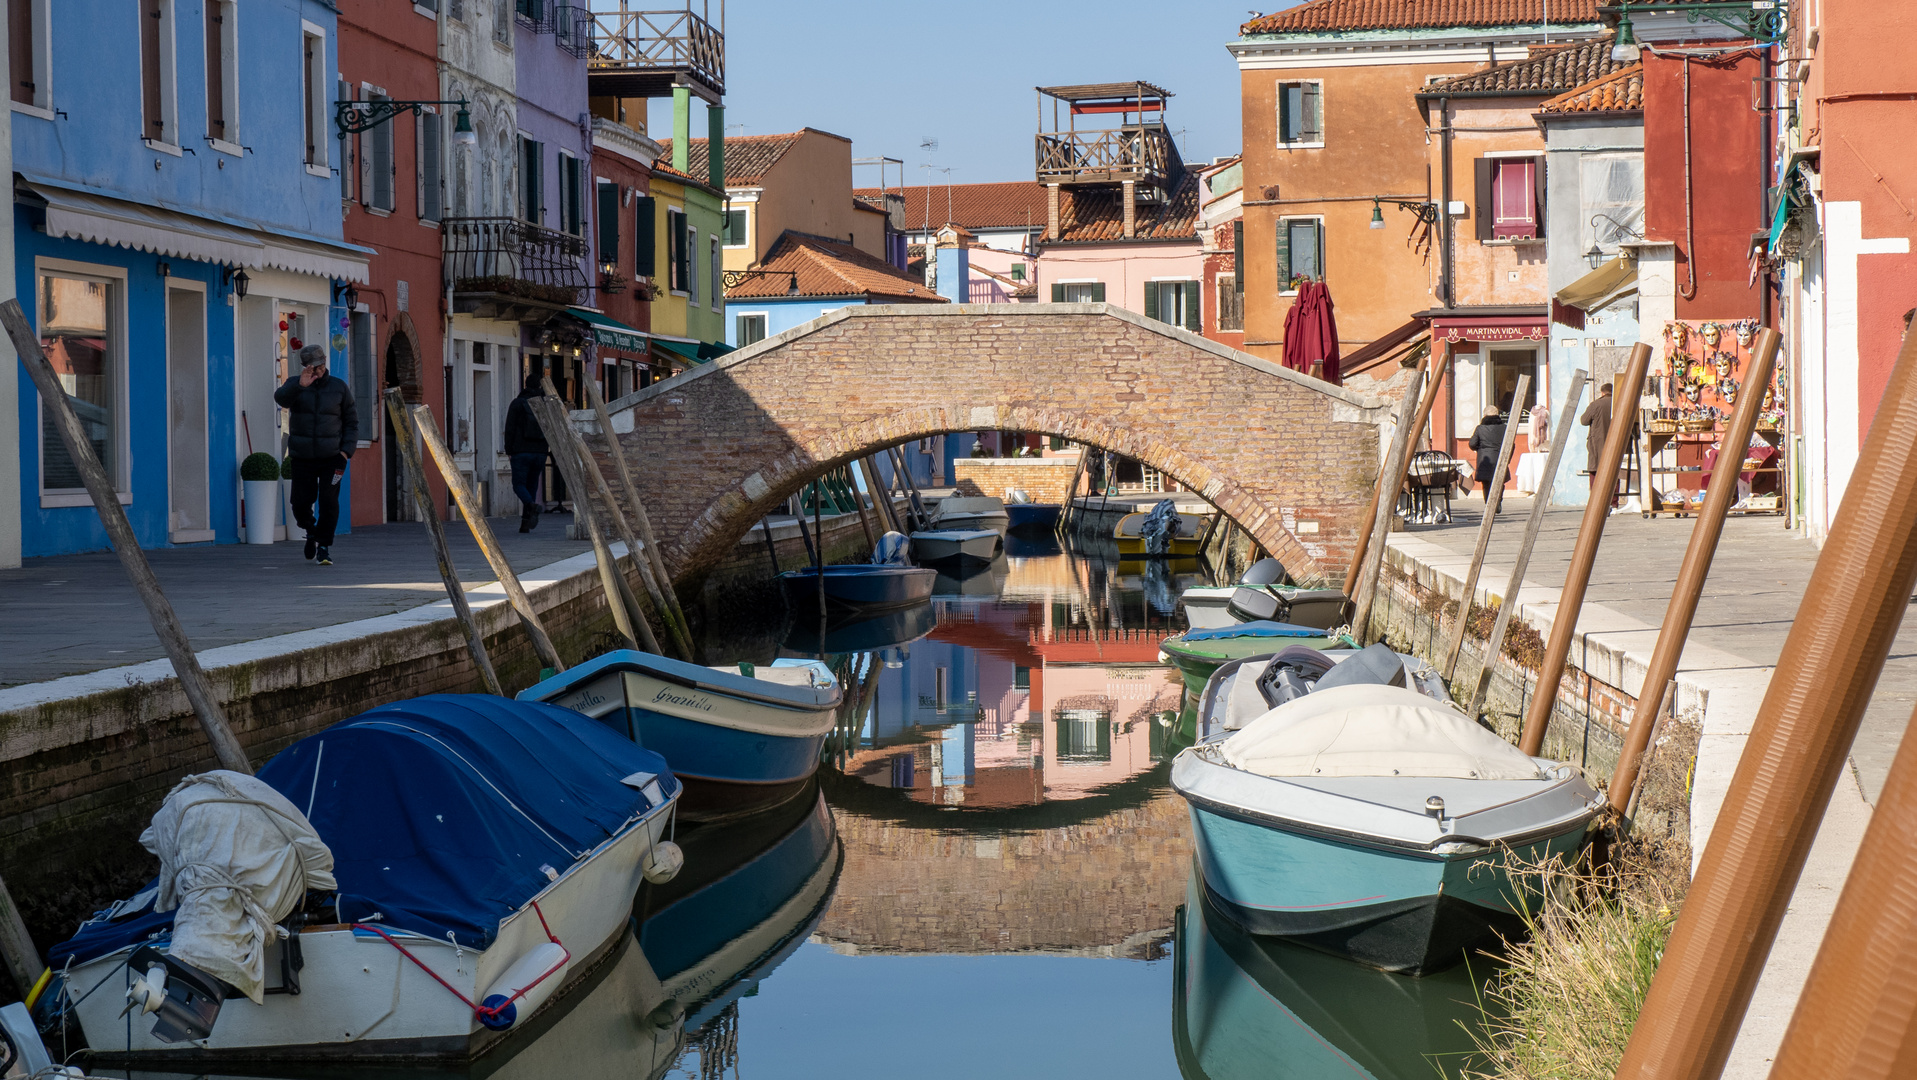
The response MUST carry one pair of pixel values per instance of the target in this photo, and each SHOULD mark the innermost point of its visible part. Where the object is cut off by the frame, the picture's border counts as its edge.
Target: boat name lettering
(665, 694)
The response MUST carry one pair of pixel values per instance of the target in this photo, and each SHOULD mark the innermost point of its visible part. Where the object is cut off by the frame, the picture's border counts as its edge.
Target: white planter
(262, 509)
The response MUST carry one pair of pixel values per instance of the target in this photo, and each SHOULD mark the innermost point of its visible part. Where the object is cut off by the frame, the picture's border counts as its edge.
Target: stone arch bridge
(1290, 458)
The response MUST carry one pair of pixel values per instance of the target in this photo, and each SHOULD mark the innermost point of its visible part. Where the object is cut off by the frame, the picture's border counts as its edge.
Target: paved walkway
(70, 614)
(1758, 580)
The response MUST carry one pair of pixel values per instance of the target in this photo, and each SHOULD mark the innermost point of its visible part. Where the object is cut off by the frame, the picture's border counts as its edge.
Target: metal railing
(514, 258)
(1121, 154)
(660, 40)
(573, 28)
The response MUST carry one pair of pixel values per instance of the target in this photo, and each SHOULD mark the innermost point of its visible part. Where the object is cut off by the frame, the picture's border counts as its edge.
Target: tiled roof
(1097, 215)
(748, 157)
(1009, 205)
(1322, 15)
(1551, 72)
(828, 268)
(1620, 91)
(663, 170)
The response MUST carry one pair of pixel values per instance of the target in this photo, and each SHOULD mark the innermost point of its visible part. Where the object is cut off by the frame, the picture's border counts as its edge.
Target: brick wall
(721, 445)
(1044, 479)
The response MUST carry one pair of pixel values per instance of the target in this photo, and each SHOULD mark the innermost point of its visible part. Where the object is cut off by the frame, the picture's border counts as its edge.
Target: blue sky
(890, 75)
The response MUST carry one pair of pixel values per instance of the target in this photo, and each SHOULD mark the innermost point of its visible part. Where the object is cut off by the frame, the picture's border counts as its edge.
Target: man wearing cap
(323, 432)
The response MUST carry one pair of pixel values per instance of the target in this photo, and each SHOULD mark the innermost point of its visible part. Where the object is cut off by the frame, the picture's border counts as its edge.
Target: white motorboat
(971, 512)
(408, 886)
(942, 545)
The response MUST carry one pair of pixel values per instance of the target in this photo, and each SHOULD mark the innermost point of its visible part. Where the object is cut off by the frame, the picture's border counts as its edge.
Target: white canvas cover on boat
(1373, 730)
(235, 858)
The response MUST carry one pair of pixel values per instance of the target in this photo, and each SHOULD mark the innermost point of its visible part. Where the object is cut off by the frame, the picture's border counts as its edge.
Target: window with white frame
(715, 288)
(314, 66)
(1301, 113)
(1174, 302)
(222, 74)
(1078, 292)
(736, 228)
(678, 274)
(29, 52)
(748, 329)
(1301, 251)
(159, 108)
(81, 329)
(1510, 198)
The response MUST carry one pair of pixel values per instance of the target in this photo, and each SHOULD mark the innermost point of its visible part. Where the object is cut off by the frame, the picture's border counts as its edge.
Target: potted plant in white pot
(260, 490)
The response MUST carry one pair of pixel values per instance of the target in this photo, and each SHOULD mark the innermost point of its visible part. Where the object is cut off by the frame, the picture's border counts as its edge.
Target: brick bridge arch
(1290, 458)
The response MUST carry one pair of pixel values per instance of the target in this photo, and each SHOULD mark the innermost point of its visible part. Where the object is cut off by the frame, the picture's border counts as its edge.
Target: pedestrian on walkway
(1597, 417)
(323, 427)
(1488, 440)
(526, 445)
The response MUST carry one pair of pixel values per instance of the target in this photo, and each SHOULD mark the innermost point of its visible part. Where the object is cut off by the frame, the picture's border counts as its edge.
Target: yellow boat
(1131, 545)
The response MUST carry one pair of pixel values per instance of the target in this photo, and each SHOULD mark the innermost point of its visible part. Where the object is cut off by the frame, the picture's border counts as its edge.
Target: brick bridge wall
(1291, 459)
(1043, 479)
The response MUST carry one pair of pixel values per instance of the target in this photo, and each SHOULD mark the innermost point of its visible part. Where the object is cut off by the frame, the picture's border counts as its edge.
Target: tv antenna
(929, 144)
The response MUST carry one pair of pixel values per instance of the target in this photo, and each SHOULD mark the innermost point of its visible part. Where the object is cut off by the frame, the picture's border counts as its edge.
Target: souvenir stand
(1696, 382)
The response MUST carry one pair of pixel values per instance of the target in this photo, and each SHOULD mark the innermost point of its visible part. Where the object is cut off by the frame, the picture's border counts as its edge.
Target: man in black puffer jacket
(324, 428)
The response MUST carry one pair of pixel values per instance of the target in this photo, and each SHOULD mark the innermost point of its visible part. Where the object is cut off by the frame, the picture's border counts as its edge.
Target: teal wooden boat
(1375, 823)
(1197, 653)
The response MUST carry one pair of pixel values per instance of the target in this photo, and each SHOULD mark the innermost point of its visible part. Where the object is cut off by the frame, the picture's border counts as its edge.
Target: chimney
(954, 266)
(1131, 213)
(1051, 211)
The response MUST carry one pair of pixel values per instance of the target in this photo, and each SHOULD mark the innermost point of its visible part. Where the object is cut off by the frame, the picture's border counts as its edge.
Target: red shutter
(20, 49)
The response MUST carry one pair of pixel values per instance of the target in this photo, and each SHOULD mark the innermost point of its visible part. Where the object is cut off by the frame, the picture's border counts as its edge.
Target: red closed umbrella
(1311, 332)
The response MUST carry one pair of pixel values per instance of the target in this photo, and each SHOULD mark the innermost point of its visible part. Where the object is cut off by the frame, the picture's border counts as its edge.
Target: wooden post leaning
(1384, 508)
(881, 500)
(166, 625)
(1541, 501)
(1797, 752)
(858, 503)
(1071, 493)
(17, 950)
(627, 616)
(1355, 569)
(660, 579)
(483, 536)
(1577, 577)
(408, 449)
(1493, 498)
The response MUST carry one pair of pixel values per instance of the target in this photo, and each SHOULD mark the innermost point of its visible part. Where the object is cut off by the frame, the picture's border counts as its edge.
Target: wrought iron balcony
(506, 268)
(573, 28)
(642, 54)
(1140, 153)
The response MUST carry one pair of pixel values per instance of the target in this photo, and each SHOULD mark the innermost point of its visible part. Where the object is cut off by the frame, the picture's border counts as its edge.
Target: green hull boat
(1197, 653)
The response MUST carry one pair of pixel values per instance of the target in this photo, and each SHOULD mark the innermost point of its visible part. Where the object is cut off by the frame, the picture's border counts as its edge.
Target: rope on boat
(478, 1010)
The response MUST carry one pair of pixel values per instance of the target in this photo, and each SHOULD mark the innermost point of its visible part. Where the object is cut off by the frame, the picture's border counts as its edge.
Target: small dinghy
(949, 545)
(888, 582)
(1369, 820)
(407, 887)
(740, 738)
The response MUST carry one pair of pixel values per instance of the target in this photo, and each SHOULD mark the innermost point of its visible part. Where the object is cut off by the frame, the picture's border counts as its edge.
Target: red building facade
(392, 190)
(623, 214)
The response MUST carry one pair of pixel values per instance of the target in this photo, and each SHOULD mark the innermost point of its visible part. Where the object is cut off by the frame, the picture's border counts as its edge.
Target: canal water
(991, 877)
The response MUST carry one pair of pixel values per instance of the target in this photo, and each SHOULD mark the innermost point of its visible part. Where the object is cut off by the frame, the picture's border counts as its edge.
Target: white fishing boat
(409, 886)
(971, 512)
(944, 545)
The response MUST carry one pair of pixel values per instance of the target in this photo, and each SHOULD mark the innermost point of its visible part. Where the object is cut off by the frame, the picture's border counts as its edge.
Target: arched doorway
(401, 369)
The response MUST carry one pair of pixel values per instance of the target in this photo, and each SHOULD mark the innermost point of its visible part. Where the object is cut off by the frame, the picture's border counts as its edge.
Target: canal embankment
(1759, 578)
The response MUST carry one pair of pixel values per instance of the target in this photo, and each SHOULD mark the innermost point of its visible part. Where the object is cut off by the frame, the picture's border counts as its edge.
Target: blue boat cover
(443, 812)
(1264, 628)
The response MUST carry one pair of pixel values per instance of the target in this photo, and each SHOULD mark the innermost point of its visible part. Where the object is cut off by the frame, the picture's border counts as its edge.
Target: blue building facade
(177, 229)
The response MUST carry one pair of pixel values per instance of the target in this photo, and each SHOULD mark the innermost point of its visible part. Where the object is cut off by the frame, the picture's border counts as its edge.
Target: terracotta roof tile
(1096, 215)
(1322, 15)
(1620, 91)
(748, 157)
(1551, 72)
(1007, 205)
(829, 268)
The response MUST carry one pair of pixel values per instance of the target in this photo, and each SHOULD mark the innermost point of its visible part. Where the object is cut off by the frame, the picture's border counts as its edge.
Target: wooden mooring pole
(1541, 502)
(1383, 508)
(405, 436)
(627, 616)
(1066, 512)
(1577, 577)
(1797, 752)
(881, 499)
(106, 501)
(1380, 497)
(660, 579)
(483, 535)
(1493, 498)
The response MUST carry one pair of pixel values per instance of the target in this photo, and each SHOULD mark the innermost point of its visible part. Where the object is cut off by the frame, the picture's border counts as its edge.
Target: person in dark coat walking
(1597, 417)
(323, 427)
(526, 445)
(1487, 440)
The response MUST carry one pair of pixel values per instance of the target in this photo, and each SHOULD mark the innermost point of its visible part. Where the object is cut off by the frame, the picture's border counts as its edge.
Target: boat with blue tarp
(408, 886)
(740, 737)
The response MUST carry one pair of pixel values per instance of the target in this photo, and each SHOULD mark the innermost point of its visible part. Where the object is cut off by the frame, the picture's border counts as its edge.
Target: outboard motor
(1266, 571)
(1292, 674)
(1254, 605)
(1375, 665)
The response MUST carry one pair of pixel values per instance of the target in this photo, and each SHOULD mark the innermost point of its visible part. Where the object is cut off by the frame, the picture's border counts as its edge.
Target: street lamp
(1626, 50)
(1427, 212)
(732, 279)
(354, 117)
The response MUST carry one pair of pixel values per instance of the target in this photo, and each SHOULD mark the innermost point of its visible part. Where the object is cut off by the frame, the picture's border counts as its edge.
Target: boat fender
(525, 986)
(663, 862)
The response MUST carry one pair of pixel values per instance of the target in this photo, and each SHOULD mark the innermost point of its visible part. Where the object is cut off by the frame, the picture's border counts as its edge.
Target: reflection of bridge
(1289, 458)
(919, 890)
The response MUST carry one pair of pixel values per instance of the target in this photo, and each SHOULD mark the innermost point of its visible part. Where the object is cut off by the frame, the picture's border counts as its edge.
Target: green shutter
(1058, 293)
(1193, 321)
(1151, 299)
(1098, 292)
(682, 252)
(1238, 257)
(1284, 254)
(609, 224)
(645, 236)
(1318, 234)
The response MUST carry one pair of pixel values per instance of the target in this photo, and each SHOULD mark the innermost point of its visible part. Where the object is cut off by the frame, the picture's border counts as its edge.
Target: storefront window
(1506, 366)
(79, 333)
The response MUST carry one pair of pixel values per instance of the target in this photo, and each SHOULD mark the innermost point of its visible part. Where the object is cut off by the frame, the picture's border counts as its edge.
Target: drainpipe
(1449, 223)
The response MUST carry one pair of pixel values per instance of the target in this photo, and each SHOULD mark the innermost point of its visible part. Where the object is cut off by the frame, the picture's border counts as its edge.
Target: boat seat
(1251, 605)
(1374, 665)
(1266, 571)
